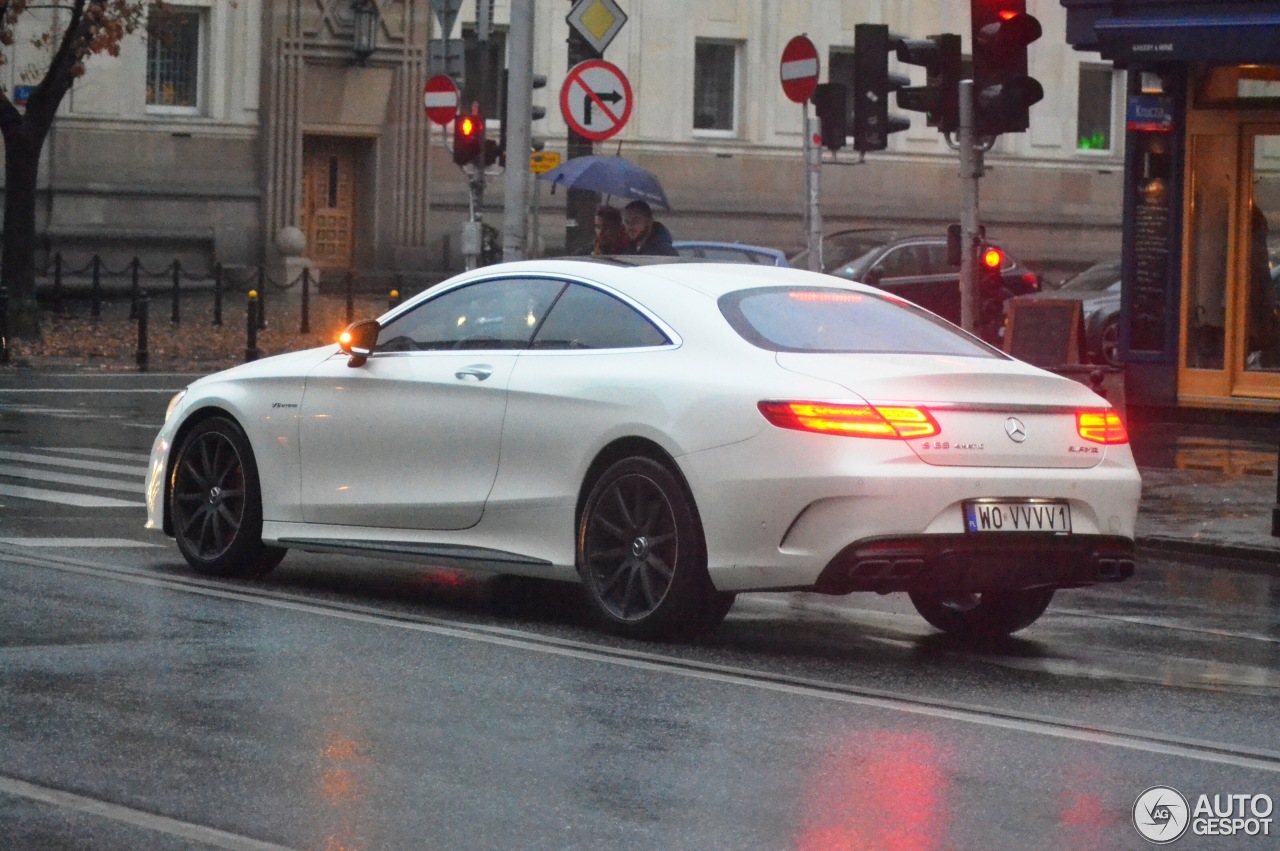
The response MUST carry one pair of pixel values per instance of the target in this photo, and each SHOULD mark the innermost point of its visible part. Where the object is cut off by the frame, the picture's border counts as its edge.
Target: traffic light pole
(970, 173)
(813, 191)
(517, 125)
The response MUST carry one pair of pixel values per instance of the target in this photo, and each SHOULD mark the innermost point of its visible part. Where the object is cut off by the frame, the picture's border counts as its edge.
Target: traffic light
(536, 113)
(872, 85)
(939, 97)
(537, 143)
(829, 102)
(1003, 93)
(468, 139)
(990, 258)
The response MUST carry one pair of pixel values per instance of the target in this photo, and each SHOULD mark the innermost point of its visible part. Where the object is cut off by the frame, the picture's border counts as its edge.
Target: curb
(1254, 559)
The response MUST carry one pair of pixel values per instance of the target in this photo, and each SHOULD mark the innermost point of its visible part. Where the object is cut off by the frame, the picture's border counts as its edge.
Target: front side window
(586, 318)
(829, 320)
(173, 59)
(501, 314)
(1093, 110)
(715, 74)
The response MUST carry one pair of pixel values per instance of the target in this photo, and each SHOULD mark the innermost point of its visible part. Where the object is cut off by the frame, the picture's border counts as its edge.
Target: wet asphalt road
(355, 704)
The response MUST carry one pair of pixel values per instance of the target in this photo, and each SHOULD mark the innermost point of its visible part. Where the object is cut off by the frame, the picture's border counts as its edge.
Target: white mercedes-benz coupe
(668, 434)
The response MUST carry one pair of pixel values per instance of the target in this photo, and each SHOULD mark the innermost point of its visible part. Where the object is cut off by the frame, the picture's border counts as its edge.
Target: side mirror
(873, 276)
(359, 340)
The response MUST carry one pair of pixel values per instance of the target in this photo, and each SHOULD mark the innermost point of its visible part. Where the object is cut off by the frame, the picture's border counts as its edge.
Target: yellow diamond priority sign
(597, 21)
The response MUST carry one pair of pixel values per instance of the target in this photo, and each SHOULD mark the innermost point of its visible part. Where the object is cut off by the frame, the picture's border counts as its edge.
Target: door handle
(479, 372)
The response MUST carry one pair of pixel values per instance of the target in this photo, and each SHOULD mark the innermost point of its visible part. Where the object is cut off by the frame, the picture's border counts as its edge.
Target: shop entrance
(1231, 296)
(329, 200)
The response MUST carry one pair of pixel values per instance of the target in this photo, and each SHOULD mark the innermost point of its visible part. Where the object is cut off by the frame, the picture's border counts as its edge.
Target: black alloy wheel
(642, 557)
(216, 505)
(983, 616)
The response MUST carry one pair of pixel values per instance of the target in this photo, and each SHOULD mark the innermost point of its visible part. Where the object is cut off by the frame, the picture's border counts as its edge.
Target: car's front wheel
(642, 556)
(983, 616)
(216, 503)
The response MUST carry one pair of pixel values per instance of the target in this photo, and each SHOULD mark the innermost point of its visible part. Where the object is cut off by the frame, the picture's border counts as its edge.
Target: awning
(1226, 38)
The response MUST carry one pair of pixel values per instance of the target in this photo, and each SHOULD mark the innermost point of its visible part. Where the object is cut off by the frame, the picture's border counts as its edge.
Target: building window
(715, 76)
(1094, 110)
(173, 59)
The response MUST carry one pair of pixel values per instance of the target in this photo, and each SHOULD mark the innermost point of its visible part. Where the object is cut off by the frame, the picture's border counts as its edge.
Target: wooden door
(329, 201)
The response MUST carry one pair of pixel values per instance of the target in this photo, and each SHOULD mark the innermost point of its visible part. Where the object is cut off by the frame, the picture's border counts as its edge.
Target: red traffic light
(468, 139)
(992, 257)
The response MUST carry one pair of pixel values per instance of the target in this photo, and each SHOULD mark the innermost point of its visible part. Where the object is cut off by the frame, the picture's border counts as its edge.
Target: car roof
(632, 274)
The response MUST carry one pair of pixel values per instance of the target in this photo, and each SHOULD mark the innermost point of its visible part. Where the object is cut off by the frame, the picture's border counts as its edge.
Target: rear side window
(818, 319)
(586, 318)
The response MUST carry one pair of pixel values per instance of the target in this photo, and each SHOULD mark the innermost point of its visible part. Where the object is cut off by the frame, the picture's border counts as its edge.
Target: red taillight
(884, 421)
(1101, 427)
(1031, 279)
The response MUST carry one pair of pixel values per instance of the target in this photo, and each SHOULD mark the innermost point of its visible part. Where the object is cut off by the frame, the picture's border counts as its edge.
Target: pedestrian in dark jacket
(647, 236)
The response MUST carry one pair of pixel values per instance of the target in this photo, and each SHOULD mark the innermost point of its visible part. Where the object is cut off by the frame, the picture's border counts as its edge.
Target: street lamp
(365, 39)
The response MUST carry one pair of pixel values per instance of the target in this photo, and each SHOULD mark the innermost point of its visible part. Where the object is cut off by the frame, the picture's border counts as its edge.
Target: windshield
(1096, 278)
(819, 319)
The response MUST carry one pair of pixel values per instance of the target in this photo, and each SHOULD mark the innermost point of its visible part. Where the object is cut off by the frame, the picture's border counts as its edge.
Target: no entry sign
(440, 99)
(799, 69)
(595, 99)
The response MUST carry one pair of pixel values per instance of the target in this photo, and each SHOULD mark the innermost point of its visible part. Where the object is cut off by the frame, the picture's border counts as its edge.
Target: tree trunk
(17, 260)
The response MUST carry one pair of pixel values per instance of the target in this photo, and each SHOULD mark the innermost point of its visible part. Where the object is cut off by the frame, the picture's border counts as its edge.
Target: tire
(983, 617)
(1109, 343)
(216, 503)
(642, 556)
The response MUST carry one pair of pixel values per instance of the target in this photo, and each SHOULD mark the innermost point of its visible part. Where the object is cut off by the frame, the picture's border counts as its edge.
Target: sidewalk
(1208, 492)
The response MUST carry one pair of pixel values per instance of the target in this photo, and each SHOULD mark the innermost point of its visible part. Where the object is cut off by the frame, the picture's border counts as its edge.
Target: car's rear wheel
(983, 616)
(642, 556)
(216, 503)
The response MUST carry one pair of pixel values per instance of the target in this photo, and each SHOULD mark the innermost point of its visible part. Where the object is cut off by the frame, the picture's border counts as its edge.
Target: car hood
(291, 364)
(973, 401)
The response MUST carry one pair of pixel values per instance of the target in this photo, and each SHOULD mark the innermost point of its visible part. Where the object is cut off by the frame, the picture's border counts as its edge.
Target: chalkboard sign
(1045, 332)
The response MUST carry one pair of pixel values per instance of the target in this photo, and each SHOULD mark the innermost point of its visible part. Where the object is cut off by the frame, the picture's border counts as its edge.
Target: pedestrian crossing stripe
(36, 476)
(83, 543)
(81, 500)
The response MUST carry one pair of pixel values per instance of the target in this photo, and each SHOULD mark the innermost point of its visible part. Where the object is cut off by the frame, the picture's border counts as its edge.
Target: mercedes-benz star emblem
(1015, 429)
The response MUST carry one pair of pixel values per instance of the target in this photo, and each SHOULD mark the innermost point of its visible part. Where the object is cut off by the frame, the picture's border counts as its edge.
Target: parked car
(669, 435)
(731, 252)
(1098, 291)
(916, 268)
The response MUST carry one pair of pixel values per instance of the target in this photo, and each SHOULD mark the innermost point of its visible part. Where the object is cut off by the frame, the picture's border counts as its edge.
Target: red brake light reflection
(825, 297)
(1101, 427)
(880, 421)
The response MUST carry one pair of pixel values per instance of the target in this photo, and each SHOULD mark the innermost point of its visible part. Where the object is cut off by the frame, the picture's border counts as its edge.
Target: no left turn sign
(595, 99)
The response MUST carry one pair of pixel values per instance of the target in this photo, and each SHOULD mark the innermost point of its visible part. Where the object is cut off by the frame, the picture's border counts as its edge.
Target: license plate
(1025, 515)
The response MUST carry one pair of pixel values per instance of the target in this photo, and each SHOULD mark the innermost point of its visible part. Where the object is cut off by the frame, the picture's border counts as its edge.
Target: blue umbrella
(609, 176)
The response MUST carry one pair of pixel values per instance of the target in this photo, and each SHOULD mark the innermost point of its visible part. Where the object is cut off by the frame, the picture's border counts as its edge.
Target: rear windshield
(818, 319)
